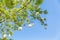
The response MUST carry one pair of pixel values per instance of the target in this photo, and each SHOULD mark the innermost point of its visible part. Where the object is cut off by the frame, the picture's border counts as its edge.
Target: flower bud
(30, 25)
(4, 35)
(19, 28)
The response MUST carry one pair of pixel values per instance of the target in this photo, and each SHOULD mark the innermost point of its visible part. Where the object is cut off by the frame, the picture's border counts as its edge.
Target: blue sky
(37, 32)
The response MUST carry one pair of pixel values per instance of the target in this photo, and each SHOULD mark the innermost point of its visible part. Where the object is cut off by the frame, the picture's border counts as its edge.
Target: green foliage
(9, 3)
(0, 0)
(16, 13)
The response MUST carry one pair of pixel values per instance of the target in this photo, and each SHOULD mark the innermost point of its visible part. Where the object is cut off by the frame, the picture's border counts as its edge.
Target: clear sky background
(37, 32)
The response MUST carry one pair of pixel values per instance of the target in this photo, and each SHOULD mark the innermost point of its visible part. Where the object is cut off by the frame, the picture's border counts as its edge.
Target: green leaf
(38, 2)
(44, 18)
(28, 21)
(45, 12)
(45, 26)
(30, 7)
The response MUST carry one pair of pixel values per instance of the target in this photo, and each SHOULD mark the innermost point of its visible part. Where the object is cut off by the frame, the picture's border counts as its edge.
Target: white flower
(30, 25)
(4, 35)
(19, 28)
(37, 13)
